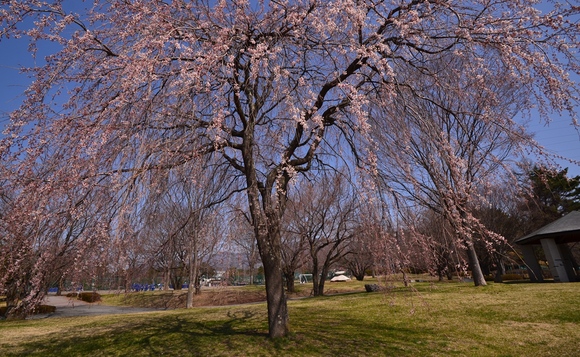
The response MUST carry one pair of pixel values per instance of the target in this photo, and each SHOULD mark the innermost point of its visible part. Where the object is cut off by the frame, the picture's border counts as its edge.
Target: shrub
(40, 309)
(512, 277)
(372, 288)
(505, 277)
(89, 296)
(44, 309)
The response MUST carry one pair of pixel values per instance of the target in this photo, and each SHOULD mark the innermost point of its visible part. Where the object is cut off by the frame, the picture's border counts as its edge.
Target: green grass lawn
(451, 319)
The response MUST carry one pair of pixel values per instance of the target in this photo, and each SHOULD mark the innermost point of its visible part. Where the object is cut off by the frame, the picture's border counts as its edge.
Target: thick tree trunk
(10, 306)
(266, 214)
(270, 246)
(477, 274)
(13, 307)
(267, 231)
(276, 299)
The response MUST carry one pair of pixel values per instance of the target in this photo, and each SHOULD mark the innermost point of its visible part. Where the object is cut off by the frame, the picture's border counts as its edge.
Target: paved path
(67, 307)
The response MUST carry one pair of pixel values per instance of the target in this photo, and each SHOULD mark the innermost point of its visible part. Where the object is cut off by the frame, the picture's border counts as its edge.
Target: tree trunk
(267, 230)
(266, 215)
(270, 250)
(449, 271)
(166, 279)
(315, 277)
(477, 274)
(441, 267)
(176, 281)
(322, 280)
(289, 276)
(251, 271)
(193, 263)
(406, 279)
(276, 299)
(190, 292)
(13, 308)
(127, 281)
(269, 245)
(358, 269)
(60, 286)
(197, 283)
(500, 270)
(440, 271)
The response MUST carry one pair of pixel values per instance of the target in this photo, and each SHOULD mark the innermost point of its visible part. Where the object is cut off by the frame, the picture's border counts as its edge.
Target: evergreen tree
(553, 194)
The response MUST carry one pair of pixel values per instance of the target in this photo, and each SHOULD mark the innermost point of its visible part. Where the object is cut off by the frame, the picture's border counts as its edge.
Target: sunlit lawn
(429, 320)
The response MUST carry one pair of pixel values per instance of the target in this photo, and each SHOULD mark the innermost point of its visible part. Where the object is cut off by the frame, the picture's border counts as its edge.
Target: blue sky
(558, 137)
(561, 138)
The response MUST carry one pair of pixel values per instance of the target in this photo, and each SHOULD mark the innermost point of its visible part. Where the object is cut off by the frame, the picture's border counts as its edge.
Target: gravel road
(68, 307)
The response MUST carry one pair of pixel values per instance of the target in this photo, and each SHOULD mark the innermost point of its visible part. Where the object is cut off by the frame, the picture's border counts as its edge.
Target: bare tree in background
(367, 234)
(185, 211)
(242, 235)
(501, 214)
(294, 248)
(324, 216)
(444, 255)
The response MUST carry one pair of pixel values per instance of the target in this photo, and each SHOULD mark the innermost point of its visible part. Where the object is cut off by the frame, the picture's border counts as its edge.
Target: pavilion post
(555, 260)
(534, 268)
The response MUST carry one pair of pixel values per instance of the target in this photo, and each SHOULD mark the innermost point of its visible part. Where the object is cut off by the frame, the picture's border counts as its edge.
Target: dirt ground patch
(119, 303)
(178, 299)
(69, 307)
(216, 296)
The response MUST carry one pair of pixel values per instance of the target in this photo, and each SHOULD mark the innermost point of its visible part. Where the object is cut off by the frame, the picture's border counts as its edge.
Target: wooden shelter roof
(563, 230)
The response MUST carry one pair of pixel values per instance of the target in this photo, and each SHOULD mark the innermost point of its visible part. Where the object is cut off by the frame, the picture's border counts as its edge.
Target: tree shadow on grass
(159, 300)
(236, 332)
(172, 335)
(354, 336)
(527, 281)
